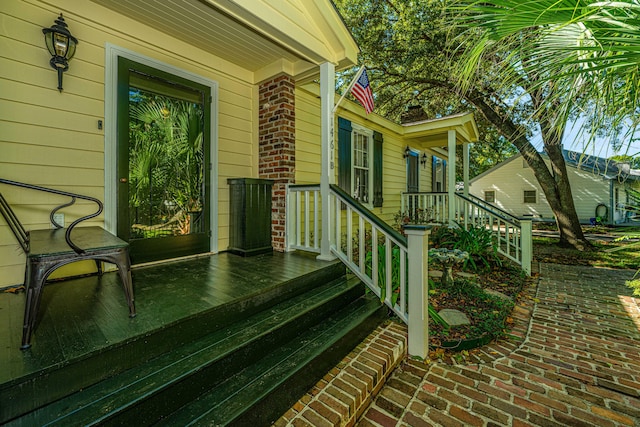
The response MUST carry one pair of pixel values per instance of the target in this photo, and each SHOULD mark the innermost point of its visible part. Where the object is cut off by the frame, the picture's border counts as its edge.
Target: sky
(575, 140)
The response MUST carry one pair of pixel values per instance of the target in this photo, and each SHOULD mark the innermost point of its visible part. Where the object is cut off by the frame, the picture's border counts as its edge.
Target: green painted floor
(81, 316)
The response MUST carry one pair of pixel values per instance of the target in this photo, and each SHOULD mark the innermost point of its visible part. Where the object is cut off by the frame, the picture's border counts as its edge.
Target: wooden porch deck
(84, 316)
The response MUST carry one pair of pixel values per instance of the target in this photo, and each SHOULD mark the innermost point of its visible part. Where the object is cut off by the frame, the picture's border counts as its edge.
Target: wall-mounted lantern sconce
(423, 160)
(61, 45)
(407, 152)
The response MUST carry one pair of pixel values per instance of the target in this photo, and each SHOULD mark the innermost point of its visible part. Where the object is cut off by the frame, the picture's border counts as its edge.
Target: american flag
(362, 91)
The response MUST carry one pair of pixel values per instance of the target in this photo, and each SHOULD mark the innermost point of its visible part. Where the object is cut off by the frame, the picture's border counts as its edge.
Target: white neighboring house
(600, 187)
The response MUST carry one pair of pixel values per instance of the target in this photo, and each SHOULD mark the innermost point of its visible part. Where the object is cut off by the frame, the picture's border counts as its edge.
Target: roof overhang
(264, 37)
(434, 132)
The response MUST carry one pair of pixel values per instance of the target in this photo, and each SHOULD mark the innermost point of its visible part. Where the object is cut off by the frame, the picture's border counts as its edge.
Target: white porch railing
(371, 249)
(303, 218)
(512, 235)
(435, 206)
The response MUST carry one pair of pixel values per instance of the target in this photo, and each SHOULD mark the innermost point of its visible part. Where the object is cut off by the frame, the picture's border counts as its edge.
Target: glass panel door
(163, 153)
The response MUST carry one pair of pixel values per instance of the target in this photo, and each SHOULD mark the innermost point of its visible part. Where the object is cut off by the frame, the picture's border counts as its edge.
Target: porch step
(27, 393)
(309, 331)
(259, 394)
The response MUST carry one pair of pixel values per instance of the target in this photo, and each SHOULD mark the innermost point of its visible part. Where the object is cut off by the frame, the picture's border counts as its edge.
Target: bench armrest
(73, 196)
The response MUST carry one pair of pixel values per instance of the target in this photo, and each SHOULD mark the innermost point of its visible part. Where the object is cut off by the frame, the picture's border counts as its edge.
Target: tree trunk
(554, 183)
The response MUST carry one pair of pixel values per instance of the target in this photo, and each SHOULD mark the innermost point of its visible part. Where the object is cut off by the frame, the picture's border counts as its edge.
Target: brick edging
(341, 397)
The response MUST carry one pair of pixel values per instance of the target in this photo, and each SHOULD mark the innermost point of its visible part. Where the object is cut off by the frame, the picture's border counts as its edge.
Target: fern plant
(477, 241)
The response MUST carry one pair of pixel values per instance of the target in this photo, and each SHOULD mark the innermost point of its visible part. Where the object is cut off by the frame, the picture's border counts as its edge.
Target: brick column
(277, 141)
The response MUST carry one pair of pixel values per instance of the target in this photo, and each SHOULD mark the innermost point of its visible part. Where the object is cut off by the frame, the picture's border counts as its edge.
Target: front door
(163, 153)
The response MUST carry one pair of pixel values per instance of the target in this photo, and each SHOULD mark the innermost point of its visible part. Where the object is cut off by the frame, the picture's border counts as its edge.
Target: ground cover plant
(488, 313)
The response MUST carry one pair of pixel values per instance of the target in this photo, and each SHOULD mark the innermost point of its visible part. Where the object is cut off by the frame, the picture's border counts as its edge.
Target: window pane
(490, 196)
(530, 196)
(361, 167)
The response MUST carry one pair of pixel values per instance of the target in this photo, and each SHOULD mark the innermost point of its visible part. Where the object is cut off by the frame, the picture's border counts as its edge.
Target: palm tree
(571, 59)
(586, 52)
(166, 159)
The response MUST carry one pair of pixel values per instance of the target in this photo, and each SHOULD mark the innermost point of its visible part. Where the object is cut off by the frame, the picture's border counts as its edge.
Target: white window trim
(356, 128)
(112, 52)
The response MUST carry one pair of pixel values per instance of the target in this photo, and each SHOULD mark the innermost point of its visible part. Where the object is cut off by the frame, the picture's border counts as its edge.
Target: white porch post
(465, 167)
(417, 252)
(526, 243)
(327, 98)
(451, 175)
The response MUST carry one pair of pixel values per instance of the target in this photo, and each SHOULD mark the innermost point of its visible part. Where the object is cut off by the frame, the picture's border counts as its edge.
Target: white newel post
(327, 99)
(526, 242)
(417, 252)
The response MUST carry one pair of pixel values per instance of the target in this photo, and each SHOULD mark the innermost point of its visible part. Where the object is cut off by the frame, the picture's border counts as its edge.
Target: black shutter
(377, 169)
(434, 162)
(344, 154)
(444, 176)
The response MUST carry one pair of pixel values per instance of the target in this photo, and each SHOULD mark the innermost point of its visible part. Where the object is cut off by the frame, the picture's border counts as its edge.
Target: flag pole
(353, 81)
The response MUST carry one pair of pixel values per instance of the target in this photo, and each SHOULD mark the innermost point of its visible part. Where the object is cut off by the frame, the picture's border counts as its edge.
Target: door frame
(111, 132)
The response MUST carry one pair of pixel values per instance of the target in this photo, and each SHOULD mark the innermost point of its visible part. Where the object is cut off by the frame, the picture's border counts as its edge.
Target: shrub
(477, 241)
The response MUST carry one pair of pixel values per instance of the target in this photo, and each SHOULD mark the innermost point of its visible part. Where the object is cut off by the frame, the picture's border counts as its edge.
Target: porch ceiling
(248, 35)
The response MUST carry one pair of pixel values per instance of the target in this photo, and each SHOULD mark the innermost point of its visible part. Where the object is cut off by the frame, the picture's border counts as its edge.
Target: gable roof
(608, 169)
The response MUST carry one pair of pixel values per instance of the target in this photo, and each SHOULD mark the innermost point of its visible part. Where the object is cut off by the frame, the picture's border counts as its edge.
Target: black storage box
(250, 216)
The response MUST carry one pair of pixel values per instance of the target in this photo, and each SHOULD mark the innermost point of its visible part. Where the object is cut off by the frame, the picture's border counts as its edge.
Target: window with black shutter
(360, 162)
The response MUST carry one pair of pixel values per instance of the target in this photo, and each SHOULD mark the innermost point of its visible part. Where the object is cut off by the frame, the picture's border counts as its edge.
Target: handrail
(392, 266)
(494, 209)
(479, 202)
(368, 214)
(73, 196)
(512, 235)
(377, 272)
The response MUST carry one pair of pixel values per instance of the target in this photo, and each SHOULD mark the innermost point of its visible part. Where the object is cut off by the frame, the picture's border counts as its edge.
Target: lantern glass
(48, 39)
(61, 44)
(71, 49)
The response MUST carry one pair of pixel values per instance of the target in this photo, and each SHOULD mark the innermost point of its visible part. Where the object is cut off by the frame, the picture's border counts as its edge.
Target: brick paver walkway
(578, 365)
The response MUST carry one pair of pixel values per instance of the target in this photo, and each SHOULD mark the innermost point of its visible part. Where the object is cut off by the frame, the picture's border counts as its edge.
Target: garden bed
(489, 313)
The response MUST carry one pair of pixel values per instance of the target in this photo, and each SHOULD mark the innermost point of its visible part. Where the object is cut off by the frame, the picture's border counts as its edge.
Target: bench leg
(36, 274)
(99, 267)
(124, 269)
(123, 262)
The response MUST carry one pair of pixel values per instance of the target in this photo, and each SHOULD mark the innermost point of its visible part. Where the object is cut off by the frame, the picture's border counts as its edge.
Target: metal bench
(50, 249)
